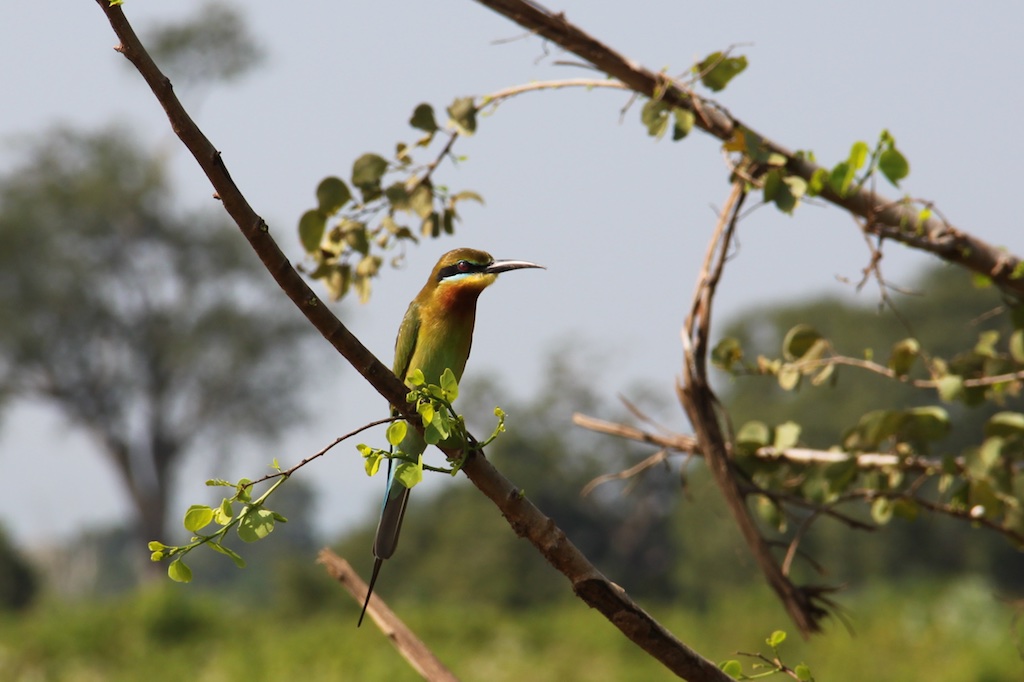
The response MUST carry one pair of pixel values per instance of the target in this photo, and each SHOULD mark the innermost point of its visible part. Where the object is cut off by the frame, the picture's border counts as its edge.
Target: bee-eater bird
(436, 334)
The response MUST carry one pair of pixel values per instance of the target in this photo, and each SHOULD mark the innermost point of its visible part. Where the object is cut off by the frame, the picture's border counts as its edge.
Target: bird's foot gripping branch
(441, 424)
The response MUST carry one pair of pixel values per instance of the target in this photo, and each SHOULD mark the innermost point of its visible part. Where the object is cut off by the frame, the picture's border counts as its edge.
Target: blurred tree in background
(151, 328)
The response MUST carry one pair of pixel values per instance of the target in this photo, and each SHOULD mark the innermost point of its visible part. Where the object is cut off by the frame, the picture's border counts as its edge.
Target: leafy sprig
(441, 424)
(253, 522)
(765, 666)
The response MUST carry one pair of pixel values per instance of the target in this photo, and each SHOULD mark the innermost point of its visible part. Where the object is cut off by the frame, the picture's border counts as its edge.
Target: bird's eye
(463, 266)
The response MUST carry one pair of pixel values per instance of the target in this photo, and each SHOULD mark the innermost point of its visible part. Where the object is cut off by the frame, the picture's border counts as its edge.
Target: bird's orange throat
(460, 297)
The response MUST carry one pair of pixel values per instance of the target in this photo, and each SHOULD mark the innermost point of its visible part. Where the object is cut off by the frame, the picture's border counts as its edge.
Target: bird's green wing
(405, 344)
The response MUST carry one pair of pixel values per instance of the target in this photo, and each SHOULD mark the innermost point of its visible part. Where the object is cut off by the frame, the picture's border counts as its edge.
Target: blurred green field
(951, 631)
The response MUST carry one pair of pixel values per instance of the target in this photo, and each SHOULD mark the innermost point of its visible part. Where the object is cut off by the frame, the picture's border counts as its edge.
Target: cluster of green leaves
(441, 425)
(767, 666)
(253, 522)
(347, 234)
(986, 480)
(714, 72)
(779, 186)
(786, 190)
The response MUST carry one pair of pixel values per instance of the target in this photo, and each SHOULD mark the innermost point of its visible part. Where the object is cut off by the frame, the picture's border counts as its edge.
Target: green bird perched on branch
(436, 334)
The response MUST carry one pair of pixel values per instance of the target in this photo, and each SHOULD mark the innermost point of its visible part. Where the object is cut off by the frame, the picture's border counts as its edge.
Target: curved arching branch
(895, 220)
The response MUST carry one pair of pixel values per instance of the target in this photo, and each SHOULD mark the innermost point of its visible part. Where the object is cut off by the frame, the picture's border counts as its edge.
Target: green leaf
(367, 172)
(431, 225)
(824, 374)
(801, 343)
(818, 180)
(1005, 424)
(716, 70)
(311, 230)
(227, 551)
(788, 377)
(727, 353)
(371, 458)
(179, 572)
(416, 378)
(873, 428)
(463, 114)
(776, 639)
(224, 513)
(787, 435)
(426, 412)
(256, 523)
(219, 482)
(784, 190)
(803, 673)
(924, 424)
(655, 117)
(1017, 346)
(198, 516)
(843, 173)
(772, 184)
(368, 266)
(881, 511)
(986, 345)
(770, 512)
(449, 385)
(437, 431)
(423, 118)
(841, 474)
(331, 194)
(469, 195)
(155, 545)
(840, 178)
(950, 387)
(752, 435)
(337, 279)
(903, 355)
(409, 474)
(396, 432)
(858, 155)
(732, 668)
(894, 166)
(243, 490)
(398, 196)
(684, 120)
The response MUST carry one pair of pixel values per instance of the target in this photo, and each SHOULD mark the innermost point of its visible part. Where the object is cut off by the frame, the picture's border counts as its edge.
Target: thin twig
(288, 472)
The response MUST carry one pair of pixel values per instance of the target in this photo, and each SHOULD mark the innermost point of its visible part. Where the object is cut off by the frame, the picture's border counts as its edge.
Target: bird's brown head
(464, 271)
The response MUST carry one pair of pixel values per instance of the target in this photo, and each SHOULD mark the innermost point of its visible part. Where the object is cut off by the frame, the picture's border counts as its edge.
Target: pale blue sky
(621, 221)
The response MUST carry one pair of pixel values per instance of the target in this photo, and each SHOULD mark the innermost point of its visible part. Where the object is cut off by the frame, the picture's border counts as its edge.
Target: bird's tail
(388, 528)
(369, 591)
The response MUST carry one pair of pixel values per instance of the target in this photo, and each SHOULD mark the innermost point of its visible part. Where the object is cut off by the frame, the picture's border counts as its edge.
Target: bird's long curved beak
(506, 265)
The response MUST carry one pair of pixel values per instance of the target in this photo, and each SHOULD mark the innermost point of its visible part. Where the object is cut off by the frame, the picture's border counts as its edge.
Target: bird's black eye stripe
(460, 268)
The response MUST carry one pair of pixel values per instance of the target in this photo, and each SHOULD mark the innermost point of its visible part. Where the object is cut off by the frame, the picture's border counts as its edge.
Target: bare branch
(689, 445)
(655, 459)
(804, 605)
(419, 656)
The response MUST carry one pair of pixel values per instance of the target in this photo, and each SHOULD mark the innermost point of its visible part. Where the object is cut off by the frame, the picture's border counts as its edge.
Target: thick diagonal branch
(894, 220)
(587, 582)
